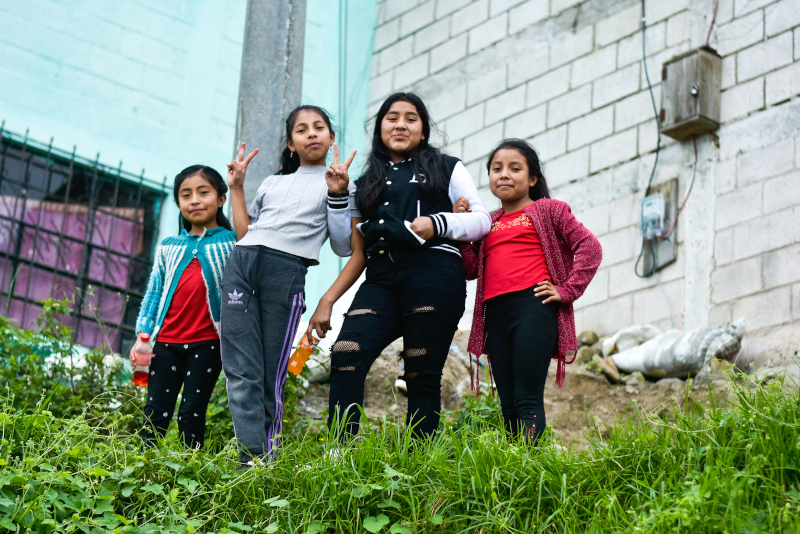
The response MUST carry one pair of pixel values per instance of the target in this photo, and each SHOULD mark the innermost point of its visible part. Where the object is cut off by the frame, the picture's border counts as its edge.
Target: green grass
(69, 463)
(710, 470)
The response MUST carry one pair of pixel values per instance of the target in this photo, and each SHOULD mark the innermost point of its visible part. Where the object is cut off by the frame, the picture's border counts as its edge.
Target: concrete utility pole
(271, 82)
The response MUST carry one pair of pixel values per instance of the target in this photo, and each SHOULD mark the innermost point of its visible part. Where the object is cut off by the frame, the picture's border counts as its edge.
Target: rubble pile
(634, 372)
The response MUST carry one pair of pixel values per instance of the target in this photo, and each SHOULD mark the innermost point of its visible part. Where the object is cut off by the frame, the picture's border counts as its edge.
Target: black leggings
(522, 333)
(195, 366)
(417, 295)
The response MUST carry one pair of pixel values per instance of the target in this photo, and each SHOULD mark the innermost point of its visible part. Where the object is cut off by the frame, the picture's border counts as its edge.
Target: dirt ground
(584, 391)
(381, 397)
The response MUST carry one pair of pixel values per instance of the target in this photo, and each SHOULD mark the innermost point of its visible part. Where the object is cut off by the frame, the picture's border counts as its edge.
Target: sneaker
(334, 455)
(246, 466)
(401, 385)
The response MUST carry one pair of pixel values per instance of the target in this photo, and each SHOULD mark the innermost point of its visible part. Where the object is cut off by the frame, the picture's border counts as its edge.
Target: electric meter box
(690, 93)
(653, 216)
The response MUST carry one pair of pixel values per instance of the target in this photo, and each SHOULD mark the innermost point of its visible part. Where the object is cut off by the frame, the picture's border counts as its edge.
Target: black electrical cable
(666, 236)
(652, 99)
(636, 267)
(658, 144)
(713, 20)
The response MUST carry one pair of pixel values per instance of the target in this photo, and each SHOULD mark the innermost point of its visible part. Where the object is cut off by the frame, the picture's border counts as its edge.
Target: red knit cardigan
(572, 254)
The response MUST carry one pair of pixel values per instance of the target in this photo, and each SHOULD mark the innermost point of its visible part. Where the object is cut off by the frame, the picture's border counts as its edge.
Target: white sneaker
(334, 455)
(401, 385)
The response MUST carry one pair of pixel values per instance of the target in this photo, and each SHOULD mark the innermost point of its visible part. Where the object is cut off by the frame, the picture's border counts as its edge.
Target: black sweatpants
(522, 333)
(262, 301)
(417, 295)
(195, 366)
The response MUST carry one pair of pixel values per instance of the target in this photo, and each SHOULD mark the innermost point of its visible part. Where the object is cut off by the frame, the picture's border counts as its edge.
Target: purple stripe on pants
(275, 429)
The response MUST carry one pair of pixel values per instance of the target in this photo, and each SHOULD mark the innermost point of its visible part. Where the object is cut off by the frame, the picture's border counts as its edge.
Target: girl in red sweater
(535, 262)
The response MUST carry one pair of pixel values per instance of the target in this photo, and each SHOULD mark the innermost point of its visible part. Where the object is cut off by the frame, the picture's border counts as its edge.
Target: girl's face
(401, 129)
(311, 138)
(199, 202)
(509, 178)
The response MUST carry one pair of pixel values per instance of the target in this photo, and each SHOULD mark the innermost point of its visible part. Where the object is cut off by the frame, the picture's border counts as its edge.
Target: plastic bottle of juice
(300, 356)
(143, 353)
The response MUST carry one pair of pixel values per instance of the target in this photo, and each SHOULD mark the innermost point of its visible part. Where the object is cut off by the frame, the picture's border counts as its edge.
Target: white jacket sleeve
(463, 226)
(339, 217)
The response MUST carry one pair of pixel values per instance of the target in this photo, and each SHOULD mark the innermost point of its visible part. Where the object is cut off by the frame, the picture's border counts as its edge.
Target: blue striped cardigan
(212, 250)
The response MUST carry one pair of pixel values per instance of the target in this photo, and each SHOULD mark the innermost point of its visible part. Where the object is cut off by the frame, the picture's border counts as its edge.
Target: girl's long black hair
(540, 189)
(212, 177)
(426, 158)
(289, 162)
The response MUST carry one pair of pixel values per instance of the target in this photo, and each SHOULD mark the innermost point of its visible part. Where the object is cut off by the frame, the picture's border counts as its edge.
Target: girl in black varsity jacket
(407, 240)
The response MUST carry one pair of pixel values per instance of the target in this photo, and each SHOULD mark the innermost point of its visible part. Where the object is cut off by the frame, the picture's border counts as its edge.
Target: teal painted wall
(151, 83)
(329, 64)
(154, 83)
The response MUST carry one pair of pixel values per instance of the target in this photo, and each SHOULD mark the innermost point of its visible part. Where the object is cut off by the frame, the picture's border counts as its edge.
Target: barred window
(73, 228)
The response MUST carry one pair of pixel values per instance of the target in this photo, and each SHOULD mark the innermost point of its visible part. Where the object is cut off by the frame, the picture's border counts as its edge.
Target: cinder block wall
(568, 76)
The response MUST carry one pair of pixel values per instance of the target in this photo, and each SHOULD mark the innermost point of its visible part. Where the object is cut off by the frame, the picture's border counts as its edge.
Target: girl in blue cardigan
(180, 309)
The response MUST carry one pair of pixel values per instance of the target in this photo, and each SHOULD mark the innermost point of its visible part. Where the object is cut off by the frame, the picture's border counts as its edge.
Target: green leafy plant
(48, 363)
(733, 466)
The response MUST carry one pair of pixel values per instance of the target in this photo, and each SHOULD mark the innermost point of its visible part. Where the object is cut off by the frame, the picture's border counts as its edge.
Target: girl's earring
(291, 154)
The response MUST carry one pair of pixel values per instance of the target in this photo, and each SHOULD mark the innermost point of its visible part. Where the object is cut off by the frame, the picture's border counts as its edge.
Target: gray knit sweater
(294, 213)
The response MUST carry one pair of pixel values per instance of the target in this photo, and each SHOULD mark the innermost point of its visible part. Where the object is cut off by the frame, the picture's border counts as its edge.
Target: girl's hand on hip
(320, 320)
(423, 227)
(238, 168)
(461, 206)
(547, 289)
(336, 175)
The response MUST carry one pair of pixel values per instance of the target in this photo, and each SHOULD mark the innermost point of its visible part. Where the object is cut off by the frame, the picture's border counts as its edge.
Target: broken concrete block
(608, 368)
(587, 337)
(585, 355)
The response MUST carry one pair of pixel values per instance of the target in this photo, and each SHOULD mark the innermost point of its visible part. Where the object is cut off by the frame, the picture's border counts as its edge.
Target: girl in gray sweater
(279, 237)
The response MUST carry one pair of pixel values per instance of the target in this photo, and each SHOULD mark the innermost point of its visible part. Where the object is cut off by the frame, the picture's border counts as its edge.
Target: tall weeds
(706, 470)
(725, 468)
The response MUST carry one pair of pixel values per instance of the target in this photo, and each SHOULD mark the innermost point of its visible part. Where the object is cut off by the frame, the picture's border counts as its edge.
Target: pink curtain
(117, 232)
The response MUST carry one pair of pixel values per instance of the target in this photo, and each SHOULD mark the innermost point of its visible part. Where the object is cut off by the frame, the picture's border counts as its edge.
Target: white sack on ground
(678, 354)
(629, 337)
(318, 368)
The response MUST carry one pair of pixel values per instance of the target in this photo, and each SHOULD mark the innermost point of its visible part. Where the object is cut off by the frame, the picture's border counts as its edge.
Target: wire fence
(77, 229)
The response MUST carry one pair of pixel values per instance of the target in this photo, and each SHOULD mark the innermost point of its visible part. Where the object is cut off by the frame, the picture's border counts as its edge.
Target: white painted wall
(568, 76)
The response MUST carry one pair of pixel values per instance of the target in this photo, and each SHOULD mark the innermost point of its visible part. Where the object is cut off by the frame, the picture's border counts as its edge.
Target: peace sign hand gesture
(238, 168)
(336, 175)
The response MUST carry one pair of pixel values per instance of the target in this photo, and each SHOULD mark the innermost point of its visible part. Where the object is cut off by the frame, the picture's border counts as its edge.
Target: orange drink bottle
(142, 354)
(300, 356)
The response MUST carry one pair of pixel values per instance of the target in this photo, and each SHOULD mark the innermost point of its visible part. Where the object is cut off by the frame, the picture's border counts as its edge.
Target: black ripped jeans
(521, 333)
(417, 295)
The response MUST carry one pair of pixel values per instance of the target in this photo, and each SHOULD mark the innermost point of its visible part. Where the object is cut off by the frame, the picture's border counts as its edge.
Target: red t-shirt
(514, 256)
(188, 319)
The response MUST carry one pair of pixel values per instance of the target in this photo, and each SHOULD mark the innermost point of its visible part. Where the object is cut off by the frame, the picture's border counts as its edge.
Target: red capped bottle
(142, 355)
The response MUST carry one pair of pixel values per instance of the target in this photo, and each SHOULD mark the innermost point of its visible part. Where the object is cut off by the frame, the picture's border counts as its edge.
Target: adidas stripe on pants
(262, 301)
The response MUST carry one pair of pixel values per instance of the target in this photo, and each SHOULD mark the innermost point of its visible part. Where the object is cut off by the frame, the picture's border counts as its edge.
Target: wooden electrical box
(690, 92)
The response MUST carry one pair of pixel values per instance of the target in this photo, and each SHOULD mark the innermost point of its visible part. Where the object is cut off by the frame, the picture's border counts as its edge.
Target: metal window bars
(75, 228)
